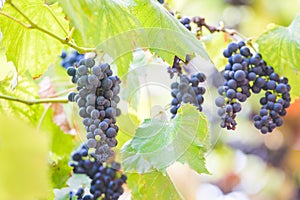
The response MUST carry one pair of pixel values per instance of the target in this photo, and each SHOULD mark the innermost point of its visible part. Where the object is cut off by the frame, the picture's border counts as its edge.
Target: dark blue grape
(245, 51)
(227, 53)
(239, 75)
(233, 47)
(241, 44)
(230, 93)
(237, 66)
(237, 58)
(271, 85)
(281, 88)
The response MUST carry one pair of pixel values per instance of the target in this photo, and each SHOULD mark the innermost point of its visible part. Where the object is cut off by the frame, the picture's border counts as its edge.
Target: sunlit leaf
(105, 24)
(280, 47)
(152, 185)
(158, 144)
(128, 123)
(62, 143)
(166, 35)
(31, 49)
(26, 90)
(60, 172)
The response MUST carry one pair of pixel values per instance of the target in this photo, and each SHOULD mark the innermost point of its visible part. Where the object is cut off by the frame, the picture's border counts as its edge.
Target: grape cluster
(70, 59)
(274, 103)
(187, 91)
(97, 99)
(246, 73)
(106, 182)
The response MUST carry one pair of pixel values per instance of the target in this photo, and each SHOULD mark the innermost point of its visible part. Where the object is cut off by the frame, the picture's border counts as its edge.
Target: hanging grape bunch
(246, 73)
(97, 99)
(107, 180)
(187, 91)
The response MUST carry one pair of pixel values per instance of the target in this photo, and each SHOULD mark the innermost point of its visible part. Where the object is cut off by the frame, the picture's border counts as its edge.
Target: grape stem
(33, 25)
(34, 101)
(200, 22)
(69, 37)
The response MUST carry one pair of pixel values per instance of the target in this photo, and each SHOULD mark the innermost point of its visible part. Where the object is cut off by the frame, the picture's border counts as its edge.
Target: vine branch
(200, 22)
(33, 25)
(35, 101)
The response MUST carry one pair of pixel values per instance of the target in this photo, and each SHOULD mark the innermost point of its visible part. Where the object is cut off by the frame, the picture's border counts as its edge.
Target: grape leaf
(166, 36)
(26, 89)
(105, 24)
(280, 47)
(152, 185)
(62, 143)
(131, 80)
(31, 49)
(24, 167)
(158, 144)
(127, 123)
(60, 171)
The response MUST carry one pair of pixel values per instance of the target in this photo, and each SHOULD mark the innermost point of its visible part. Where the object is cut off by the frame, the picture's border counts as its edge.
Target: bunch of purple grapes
(70, 59)
(187, 91)
(107, 180)
(97, 99)
(246, 73)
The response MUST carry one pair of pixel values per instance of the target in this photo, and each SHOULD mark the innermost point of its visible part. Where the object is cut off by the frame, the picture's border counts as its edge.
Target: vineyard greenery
(40, 126)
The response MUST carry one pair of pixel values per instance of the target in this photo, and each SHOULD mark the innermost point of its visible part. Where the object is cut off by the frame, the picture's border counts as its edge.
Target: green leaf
(280, 47)
(24, 167)
(31, 49)
(26, 89)
(158, 144)
(166, 36)
(131, 80)
(62, 143)
(106, 25)
(60, 171)
(152, 185)
(127, 123)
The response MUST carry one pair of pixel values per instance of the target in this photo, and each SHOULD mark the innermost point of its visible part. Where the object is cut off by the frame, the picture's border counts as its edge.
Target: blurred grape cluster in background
(244, 164)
